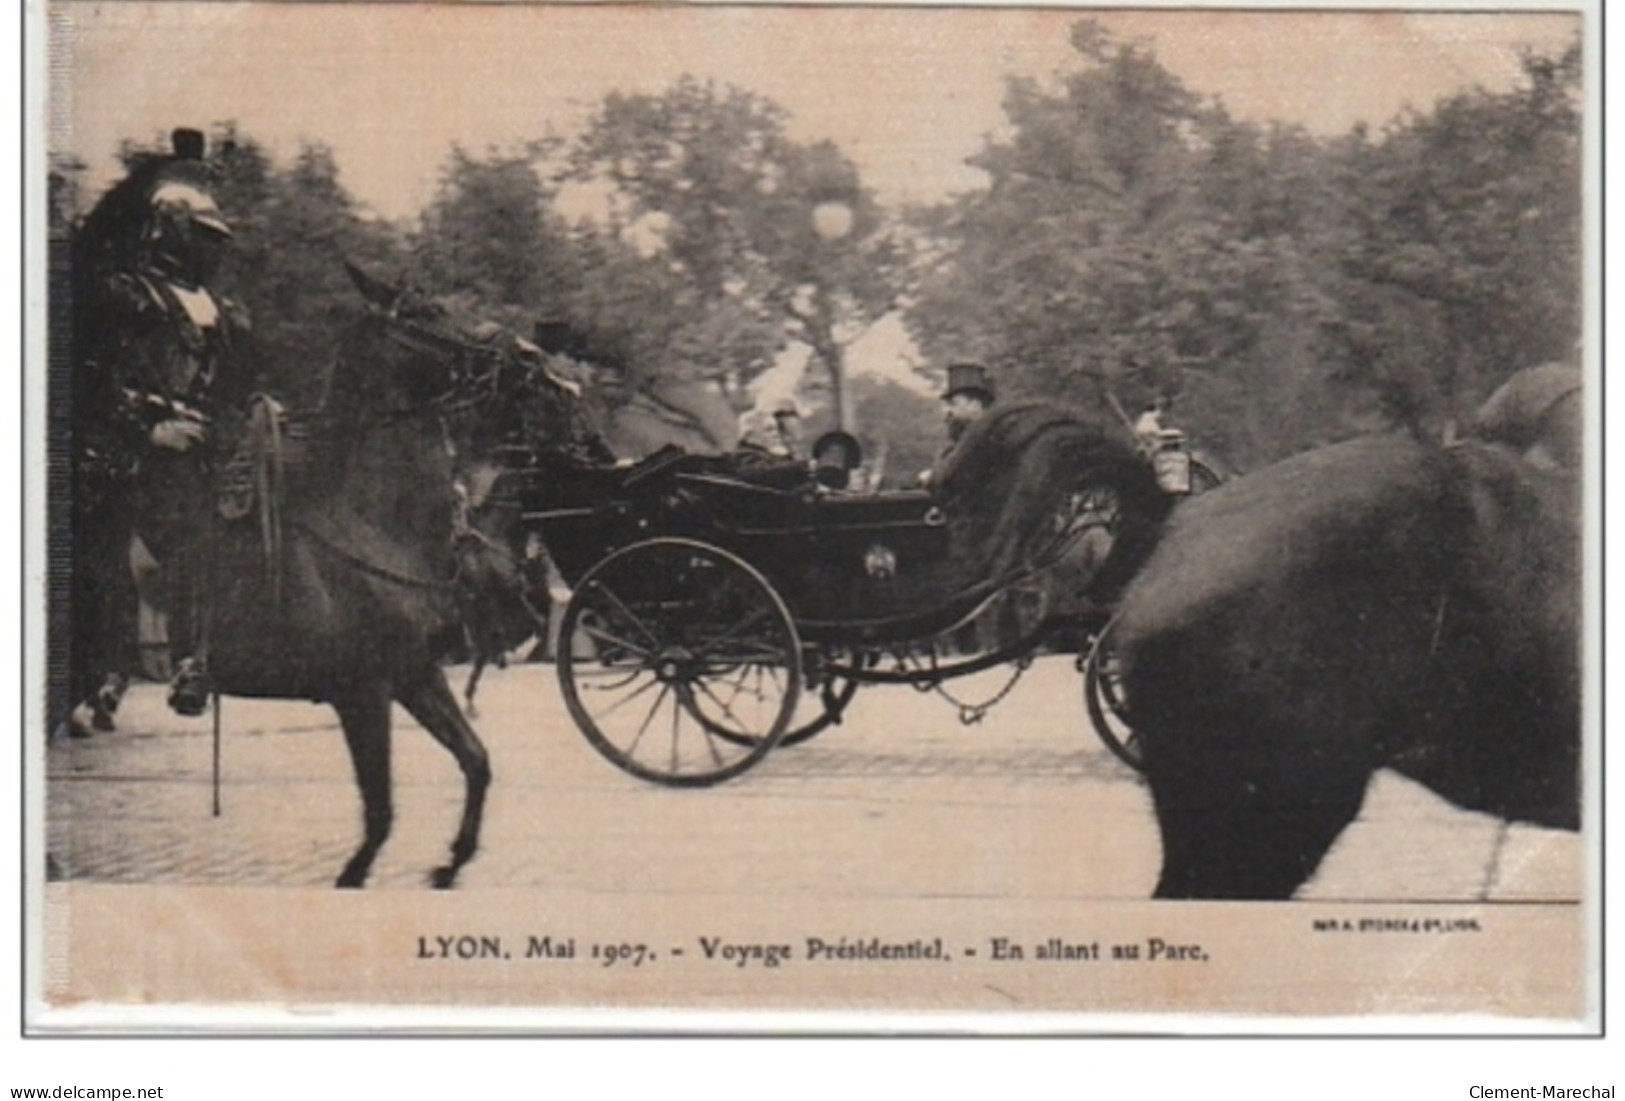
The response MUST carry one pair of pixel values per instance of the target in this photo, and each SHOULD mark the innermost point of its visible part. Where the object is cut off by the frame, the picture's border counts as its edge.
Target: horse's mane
(1006, 431)
(1516, 413)
(1014, 470)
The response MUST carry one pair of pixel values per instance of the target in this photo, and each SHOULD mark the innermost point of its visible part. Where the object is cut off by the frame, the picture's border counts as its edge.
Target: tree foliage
(709, 180)
(1133, 239)
(1136, 240)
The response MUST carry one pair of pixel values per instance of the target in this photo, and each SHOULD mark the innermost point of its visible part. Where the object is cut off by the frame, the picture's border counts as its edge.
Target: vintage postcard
(777, 518)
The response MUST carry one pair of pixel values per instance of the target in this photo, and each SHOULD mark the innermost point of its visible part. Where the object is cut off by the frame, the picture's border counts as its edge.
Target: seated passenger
(835, 455)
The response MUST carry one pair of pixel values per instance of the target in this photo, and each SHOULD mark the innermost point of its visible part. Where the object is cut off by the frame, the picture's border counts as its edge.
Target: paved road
(899, 801)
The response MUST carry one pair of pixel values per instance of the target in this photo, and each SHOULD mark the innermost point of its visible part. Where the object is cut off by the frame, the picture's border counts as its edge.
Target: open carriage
(716, 614)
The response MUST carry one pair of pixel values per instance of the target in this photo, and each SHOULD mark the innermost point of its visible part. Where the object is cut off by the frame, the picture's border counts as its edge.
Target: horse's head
(414, 353)
(492, 389)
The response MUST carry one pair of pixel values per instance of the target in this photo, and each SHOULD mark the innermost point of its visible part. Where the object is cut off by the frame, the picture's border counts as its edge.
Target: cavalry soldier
(153, 342)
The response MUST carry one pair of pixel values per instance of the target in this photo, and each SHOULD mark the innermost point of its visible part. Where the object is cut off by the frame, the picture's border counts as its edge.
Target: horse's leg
(430, 701)
(364, 713)
(473, 683)
(1228, 834)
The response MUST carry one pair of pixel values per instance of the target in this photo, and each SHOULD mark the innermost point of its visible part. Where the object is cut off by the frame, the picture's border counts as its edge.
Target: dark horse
(1378, 603)
(350, 596)
(503, 578)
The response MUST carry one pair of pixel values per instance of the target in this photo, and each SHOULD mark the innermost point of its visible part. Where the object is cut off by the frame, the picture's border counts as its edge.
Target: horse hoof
(80, 723)
(444, 878)
(349, 880)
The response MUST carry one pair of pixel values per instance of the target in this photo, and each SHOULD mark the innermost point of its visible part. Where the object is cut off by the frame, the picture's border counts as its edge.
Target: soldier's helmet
(186, 232)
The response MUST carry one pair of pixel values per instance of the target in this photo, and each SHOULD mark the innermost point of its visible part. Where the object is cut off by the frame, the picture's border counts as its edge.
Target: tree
(488, 232)
(293, 229)
(1108, 260)
(771, 237)
(1468, 218)
(1134, 240)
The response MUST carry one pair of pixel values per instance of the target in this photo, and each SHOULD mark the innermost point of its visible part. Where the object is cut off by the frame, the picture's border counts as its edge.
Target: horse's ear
(373, 289)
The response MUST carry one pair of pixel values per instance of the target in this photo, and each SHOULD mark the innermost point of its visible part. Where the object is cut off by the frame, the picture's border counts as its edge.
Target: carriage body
(717, 612)
(835, 559)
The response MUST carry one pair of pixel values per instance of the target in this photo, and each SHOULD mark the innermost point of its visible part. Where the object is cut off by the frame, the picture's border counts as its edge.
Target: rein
(265, 430)
(373, 569)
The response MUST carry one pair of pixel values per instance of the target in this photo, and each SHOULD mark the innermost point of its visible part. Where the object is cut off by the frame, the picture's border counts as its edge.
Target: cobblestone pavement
(899, 800)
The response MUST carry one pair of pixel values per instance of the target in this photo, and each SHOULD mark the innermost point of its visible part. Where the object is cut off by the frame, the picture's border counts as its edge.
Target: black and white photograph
(770, 518)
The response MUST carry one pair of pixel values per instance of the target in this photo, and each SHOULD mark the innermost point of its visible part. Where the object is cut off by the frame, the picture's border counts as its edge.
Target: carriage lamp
(1172, 463)
(832, 220)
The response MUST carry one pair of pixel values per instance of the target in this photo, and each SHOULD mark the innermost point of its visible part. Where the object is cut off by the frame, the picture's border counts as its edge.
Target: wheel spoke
(676, 721)
(623, 677)
(727, 710)
(632, 750)
(609, 594)
(760, 654)
(626, 699)
(705, 730)
(600, 634)
(705, 647)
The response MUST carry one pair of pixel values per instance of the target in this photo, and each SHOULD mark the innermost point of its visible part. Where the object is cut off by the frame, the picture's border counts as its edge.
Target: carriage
(718, 612)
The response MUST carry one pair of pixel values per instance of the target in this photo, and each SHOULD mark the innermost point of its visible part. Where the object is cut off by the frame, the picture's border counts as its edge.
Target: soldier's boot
(190, 688)
(104, 705)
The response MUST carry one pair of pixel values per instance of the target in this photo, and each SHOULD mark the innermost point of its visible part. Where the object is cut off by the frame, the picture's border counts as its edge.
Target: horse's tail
(1029, 458)
(1143, 508)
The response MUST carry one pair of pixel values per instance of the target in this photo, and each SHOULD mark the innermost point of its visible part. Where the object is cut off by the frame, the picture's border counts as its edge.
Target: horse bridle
(474, 371)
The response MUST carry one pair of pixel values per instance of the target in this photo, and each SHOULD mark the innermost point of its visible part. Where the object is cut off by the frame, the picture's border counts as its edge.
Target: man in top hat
(835, 456)
(968, 396)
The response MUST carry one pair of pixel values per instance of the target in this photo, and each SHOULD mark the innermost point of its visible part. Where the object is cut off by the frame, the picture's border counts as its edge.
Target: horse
(507, 599)
(348, 595)
(1537, 412)
(1380, 603)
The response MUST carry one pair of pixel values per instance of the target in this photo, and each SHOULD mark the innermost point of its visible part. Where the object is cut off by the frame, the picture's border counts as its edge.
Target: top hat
(851, 451)
(968, 378)
(187, 143)
(835, 471)
(559, 338)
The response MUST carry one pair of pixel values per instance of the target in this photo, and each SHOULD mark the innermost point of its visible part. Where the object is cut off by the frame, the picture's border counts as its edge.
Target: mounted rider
(154, 352)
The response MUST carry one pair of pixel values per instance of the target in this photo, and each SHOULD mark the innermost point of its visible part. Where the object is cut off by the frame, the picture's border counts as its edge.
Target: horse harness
(256, 478)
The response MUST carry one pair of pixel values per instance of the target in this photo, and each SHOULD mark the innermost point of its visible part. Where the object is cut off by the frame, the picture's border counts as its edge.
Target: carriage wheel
(1108, 705)
(677, 629)
(820, 709)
